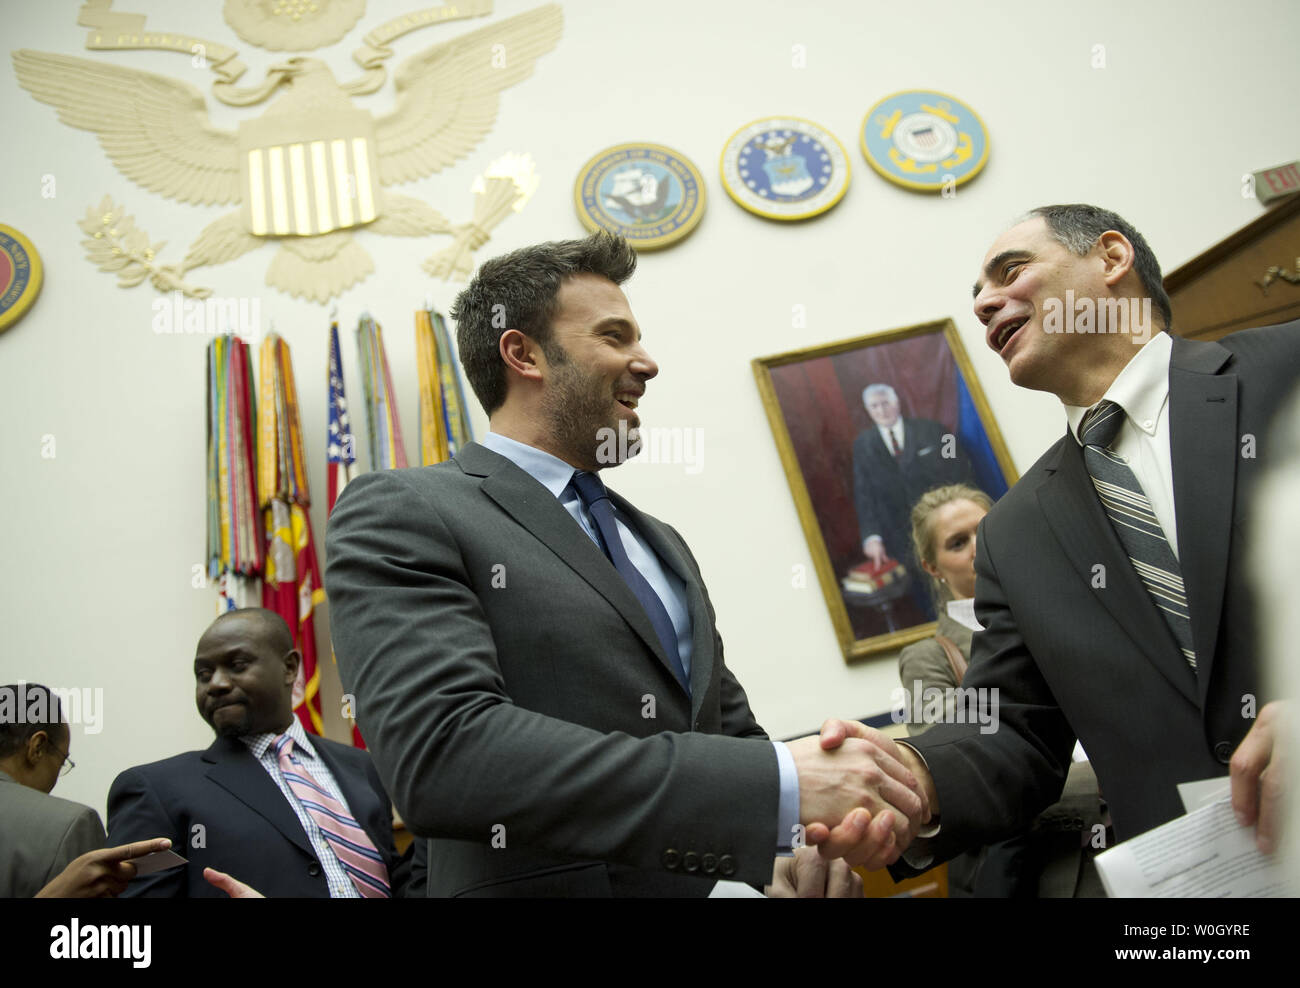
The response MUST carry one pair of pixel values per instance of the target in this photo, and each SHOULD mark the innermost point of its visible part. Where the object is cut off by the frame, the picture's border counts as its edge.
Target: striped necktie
(353, 846)
(591, 489)
(1135, 523)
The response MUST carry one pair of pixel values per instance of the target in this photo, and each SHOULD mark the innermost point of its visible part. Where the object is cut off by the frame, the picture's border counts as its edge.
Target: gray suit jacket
(518, 704)
(1070, 655)
(39, 836)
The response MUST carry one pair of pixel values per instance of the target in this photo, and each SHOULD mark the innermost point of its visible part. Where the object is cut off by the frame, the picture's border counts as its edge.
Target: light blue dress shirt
(555, 475)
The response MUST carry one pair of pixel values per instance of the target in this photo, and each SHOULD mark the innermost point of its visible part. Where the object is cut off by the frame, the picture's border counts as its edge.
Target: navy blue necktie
(591, 489)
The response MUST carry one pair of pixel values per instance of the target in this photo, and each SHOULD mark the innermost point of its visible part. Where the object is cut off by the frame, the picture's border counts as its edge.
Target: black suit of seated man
(222, 807)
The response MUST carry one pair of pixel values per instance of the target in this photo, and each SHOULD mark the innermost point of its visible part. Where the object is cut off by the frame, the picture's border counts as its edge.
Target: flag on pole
(341, 452)
(235, 537)
(387, 451)
(444, 425)
(340, 444)
(292, 585)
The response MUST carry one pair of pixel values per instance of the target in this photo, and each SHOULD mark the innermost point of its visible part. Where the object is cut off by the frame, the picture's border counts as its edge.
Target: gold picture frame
(834, 455)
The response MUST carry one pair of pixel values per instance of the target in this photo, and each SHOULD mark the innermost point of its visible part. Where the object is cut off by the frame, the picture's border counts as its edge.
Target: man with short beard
(535, 662)
(288, 814)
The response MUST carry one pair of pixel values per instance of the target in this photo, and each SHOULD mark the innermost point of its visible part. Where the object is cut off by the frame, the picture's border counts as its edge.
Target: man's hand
(1258, 770)
(860, 840)
(860, 786)
(874, 549)
(231, 886)
(100, 874)
(808, 875)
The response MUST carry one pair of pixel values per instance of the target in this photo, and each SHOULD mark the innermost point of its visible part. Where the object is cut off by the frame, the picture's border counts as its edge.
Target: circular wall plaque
(20, 275)
(922, 139)
(785, 168)
(649, 194)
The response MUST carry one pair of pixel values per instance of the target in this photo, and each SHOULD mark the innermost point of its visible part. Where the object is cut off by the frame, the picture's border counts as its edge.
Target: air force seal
(649, 194)
(785, 168)
(20, 275)
(924, 140)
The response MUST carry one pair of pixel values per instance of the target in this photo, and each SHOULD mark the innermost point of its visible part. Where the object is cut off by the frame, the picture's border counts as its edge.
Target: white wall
(100, 540)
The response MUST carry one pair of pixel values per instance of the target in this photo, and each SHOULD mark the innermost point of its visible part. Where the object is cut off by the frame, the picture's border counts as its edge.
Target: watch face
(785, 168)
(647, 193)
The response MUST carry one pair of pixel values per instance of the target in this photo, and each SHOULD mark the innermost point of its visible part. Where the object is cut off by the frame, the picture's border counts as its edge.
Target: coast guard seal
(922, 139)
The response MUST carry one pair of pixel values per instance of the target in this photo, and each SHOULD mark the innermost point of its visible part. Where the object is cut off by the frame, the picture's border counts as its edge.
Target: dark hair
(1078, 226)
(16, 729)
(518, 291)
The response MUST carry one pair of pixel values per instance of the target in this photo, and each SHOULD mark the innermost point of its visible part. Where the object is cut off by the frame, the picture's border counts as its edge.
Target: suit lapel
(536, 509)
(236, 770)
(1075, 515)
(1203, 447)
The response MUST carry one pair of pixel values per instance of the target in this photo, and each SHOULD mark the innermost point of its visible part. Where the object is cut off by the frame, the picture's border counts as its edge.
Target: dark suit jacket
(40, 835)
(518, 703)
(885, 488)
(249, 830)
(1069, 656)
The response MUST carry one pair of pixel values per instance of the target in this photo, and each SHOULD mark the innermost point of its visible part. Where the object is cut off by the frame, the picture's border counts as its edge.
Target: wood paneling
(1218, 291)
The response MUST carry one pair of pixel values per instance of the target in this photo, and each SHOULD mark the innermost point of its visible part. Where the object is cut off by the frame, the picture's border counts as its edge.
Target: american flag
(341, 447)
(340, 450)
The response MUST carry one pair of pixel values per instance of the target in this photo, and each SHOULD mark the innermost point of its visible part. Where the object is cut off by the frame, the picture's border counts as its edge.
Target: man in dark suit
(535, 661)
(286, 814)
(1115, 603)
(894, 463)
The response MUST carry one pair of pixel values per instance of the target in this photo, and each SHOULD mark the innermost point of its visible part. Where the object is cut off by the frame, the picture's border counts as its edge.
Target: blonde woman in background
(1054, 858)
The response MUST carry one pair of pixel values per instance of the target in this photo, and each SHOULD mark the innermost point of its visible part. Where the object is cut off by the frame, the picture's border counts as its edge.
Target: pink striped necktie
(354, 848)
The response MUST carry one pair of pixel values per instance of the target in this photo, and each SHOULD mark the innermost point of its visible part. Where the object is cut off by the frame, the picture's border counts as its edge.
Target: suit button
(313, 869)
(671, 859)
(710, 863)
(1223, 752)
(691, 861)
(726, 865)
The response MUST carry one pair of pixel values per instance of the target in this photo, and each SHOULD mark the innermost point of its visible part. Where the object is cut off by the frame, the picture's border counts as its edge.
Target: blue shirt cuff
(787, 817)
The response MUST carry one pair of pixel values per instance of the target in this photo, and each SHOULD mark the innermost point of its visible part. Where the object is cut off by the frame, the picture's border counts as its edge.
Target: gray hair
(1077, 227)
(518, 291)
(875, 389)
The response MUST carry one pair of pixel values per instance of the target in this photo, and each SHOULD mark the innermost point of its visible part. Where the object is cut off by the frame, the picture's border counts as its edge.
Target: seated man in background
(40, 834)
(288, 815)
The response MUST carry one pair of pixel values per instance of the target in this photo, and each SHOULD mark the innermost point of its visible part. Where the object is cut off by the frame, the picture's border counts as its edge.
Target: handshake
(862, 797)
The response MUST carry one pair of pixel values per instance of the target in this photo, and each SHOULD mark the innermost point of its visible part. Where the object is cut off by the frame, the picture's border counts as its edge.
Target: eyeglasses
(68, 764)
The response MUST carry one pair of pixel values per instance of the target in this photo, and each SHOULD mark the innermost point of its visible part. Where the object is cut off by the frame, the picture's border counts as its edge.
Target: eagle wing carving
(447, 95)
(156, 130)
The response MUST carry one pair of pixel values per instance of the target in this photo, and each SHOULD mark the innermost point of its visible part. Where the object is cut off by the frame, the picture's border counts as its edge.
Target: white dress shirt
(1142, 390)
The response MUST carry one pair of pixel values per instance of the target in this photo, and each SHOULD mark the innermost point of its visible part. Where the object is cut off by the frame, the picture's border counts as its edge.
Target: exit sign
(1273, 183)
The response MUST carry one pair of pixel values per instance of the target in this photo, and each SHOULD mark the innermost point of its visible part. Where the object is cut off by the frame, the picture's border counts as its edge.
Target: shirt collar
(259, 743)
(1141, 388)
(549, 471)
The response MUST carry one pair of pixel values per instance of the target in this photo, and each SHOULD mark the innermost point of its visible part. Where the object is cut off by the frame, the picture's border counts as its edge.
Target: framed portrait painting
(864, 427)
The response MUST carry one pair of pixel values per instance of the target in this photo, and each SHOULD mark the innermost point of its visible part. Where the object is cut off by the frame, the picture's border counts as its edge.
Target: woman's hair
(923, 525)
